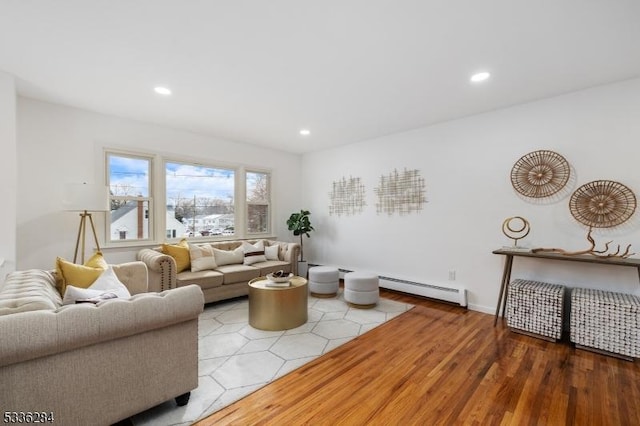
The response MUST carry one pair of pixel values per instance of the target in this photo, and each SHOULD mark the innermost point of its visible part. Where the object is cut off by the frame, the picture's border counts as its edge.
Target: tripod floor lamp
(85, 198)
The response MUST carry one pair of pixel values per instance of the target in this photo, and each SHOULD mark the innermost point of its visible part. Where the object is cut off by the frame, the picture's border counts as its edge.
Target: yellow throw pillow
(180, 252)
(83, 276)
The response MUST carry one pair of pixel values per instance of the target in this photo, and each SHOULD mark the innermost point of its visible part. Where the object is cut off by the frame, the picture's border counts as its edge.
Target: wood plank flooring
(441, 365)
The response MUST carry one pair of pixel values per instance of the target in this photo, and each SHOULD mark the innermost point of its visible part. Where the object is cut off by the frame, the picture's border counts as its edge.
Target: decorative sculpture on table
(540, 174)
(516, 232)
(600, 204)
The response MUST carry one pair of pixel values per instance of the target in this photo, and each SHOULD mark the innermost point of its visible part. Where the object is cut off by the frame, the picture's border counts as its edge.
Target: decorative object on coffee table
(300, 224)
(279, 279)
(280, 276)
(516, 232)
(540, 174)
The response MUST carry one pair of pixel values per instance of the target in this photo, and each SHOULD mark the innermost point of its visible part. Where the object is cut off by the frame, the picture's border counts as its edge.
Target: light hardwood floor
(440, 365)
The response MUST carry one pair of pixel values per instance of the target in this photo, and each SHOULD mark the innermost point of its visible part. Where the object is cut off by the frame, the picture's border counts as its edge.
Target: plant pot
(303, 268)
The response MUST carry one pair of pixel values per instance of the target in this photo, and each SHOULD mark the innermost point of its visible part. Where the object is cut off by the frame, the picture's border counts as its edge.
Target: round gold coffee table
(277, 308)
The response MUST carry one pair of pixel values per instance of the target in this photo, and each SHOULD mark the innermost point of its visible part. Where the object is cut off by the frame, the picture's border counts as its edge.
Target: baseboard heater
(448, 293)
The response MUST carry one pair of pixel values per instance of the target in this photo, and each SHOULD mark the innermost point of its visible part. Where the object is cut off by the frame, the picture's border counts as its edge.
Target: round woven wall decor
(602, 204)
(540, 174)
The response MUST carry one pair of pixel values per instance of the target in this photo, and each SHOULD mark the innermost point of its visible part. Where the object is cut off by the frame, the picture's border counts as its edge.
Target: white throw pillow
(202, 257)
(271, 252)
(107, 282)
(253, 253)
(227, 257)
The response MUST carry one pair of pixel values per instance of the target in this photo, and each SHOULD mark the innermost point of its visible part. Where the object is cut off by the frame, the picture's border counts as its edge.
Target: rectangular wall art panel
(400, 192)
(347, 197)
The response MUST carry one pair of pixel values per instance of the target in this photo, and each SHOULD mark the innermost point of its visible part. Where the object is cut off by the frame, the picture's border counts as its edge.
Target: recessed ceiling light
(162, 90)
(481, 76)
(305, 132)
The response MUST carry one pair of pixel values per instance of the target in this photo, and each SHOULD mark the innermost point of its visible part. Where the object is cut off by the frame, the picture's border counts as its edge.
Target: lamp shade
(85, 196)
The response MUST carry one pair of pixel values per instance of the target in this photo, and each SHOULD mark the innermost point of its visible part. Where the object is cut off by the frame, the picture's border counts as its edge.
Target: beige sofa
(98, 364)
(223, 282)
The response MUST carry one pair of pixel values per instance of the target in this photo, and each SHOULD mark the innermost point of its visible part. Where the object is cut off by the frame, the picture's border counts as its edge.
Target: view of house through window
(129, 180)
(200, 200)
(257, 202)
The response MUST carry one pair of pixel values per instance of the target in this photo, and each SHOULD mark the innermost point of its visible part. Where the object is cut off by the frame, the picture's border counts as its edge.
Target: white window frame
(267, 202)
(213, 165)
(157, 201)
(151, 231)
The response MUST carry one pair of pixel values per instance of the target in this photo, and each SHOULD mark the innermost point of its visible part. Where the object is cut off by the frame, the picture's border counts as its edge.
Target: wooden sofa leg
(183, 399)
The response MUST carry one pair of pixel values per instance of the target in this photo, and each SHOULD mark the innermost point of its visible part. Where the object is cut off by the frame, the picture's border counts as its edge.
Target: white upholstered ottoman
(324, 281)
(361, 289)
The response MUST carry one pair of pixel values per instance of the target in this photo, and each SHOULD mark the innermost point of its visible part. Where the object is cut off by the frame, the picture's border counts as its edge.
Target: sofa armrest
(161, 267)
(291, 255)
(134, 275)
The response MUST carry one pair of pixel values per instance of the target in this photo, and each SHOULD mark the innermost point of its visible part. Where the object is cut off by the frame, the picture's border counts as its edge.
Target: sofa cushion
(202, 257)
(108, 282)
(29, 290)
(253, 253)
(205, 279)
(180, 252)
(68, 273)
(228, 257)
(271, 252)
(282, 248)
(226, 245)
(238, 273)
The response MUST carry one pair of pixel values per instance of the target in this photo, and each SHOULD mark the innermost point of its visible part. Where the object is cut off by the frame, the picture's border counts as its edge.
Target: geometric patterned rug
(236, 359)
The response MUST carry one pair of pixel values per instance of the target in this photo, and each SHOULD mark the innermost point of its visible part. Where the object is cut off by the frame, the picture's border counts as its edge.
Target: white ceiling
(258, 71)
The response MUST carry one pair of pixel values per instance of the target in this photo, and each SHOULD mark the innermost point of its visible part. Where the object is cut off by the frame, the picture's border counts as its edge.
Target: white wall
(58, 144)
(466, 164)
(8, 172)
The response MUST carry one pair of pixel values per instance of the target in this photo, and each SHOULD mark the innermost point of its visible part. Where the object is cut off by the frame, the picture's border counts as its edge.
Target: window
(129, 180)
(195, 200)
(200, 200)
(258, 196)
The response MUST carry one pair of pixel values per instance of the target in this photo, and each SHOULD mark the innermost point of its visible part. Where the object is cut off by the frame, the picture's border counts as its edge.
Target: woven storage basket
(605, 320)
(536, 308)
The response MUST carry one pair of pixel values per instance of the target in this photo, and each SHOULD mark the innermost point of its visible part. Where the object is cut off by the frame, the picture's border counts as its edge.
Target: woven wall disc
(602, 204)
(540, 174)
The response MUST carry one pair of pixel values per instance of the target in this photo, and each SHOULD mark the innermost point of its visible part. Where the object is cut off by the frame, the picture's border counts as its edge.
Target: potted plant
(300, 224)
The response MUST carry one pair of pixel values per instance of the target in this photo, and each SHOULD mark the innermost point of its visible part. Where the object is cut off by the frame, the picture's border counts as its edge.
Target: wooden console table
(510, 254)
